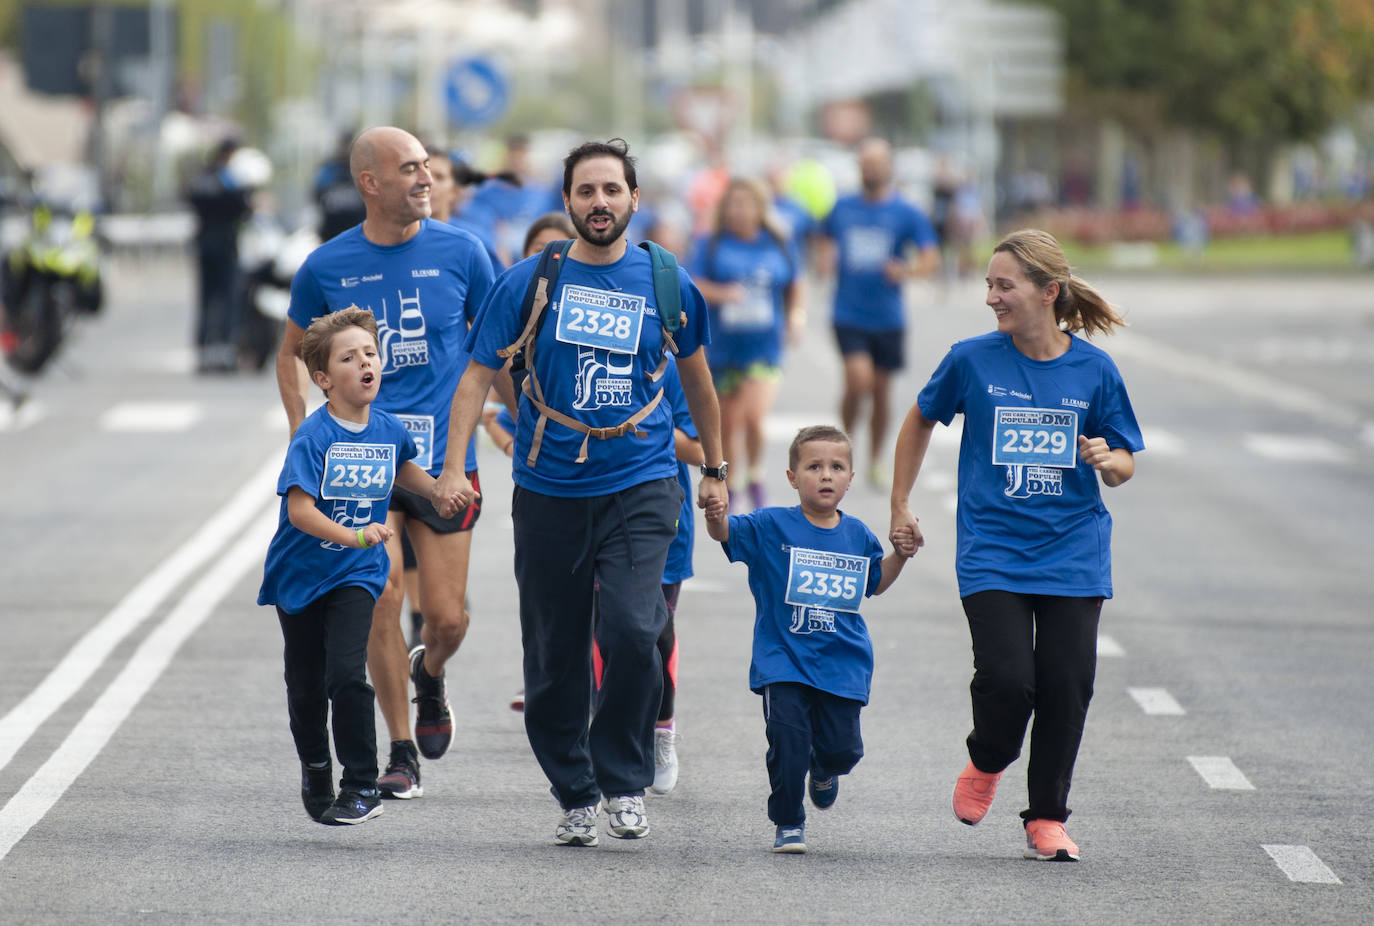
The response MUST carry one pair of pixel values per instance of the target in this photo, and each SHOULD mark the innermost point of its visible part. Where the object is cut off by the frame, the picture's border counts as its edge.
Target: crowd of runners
(607, 372)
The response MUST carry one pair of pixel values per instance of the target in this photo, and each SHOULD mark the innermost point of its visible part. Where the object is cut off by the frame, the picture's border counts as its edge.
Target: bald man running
(424, 281)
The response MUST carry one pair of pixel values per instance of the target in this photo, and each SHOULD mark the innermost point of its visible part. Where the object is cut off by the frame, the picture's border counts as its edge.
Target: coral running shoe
(1047, 841)
(973, 794)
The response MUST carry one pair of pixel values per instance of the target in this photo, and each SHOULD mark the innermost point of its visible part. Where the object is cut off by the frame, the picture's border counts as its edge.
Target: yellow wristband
(362, 541)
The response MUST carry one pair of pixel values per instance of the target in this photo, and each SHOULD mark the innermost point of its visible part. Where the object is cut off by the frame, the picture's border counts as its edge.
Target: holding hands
(452, 493)
(905, 532)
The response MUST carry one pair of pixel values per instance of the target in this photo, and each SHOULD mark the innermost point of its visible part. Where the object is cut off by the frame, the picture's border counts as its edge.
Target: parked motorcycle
(51, 278)
(269, 258)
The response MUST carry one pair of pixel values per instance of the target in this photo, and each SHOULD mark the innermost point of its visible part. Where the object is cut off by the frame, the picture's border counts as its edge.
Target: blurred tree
(1246, 72)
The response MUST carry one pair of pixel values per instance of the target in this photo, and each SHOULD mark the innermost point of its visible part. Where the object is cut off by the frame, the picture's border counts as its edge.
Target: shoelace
(582, 816)
(663, 747)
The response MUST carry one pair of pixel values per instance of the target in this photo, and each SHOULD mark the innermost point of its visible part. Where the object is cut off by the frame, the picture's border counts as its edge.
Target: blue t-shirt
(679, 565)
(592, 368)
(797, 222)
(749, 330)
(1031, 518)
(350, 474)
(475, 223)
(511, 209)
(867, 235)
(808, 582)
(423, 293)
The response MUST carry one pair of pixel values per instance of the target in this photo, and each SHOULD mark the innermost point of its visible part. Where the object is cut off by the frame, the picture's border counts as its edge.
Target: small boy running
(326, 565)
(809, 568)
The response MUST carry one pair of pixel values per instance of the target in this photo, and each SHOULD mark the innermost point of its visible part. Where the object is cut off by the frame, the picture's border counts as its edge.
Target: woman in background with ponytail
(1045, 416)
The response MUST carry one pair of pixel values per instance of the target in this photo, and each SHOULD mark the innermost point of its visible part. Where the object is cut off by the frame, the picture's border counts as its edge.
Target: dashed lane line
(1108, 647)
(1220, 773)
(38, 795)
(1156, 701)
(139, 417)
(1297, 448)
(1300, 863)
(91, 651)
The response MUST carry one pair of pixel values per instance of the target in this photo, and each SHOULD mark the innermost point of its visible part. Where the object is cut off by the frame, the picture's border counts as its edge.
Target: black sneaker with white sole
(401, 779)
(353, 805)
(433, 719)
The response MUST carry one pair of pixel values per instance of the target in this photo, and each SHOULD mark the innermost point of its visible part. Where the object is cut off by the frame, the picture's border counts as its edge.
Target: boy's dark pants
(326, 663)
(809, 730)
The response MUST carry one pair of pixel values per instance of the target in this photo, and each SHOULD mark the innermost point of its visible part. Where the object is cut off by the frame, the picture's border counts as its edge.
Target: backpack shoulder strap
(538, 293)
(666, 283)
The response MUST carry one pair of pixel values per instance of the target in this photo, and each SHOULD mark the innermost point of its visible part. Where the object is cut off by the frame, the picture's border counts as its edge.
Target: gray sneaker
(577, 828)
(628, 819)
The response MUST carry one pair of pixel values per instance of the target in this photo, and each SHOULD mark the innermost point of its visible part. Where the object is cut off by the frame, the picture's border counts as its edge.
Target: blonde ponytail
(1078, 307)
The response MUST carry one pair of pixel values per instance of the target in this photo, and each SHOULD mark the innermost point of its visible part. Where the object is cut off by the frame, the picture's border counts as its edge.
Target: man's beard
(603, 238)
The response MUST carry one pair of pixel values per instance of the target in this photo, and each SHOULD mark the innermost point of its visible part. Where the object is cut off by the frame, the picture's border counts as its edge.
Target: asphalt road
(147, 774)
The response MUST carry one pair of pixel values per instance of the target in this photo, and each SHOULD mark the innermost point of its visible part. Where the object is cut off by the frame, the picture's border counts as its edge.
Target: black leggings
(326, 664)
(1032, 654)
(667, 651)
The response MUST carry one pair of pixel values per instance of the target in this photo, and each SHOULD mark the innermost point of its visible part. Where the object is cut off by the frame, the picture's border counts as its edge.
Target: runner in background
(874, 241)
(750, 274)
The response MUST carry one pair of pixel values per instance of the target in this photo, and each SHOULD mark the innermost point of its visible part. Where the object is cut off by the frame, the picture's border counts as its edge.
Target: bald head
(371, 149)
(875, 165)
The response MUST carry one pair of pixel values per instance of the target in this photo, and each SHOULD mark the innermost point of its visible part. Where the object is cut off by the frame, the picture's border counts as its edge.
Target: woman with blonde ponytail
(1045, 416)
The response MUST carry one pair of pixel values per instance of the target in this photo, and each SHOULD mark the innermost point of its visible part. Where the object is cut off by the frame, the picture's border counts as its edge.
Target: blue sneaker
(790, 839)
(823, 791)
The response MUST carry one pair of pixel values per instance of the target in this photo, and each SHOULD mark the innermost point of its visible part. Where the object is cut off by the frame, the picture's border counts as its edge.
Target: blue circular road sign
(475, 92)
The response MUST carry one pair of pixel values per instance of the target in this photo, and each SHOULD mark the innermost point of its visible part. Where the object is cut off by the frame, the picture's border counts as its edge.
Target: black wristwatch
(716, 472)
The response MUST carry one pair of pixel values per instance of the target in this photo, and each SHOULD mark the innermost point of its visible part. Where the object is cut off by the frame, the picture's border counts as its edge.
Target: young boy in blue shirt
(326, 565)
(809, 568)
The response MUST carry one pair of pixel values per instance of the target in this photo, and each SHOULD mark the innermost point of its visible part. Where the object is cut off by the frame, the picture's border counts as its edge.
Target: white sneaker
(628, 819)
(665, 760)
(577, 828)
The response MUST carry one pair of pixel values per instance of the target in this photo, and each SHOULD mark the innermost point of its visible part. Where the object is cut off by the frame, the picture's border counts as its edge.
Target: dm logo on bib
(1025, 481)
(812, 620)
(604, 379)
(403, 345)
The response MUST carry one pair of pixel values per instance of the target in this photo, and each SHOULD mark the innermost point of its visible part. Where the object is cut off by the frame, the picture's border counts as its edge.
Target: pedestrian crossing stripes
(1300, 863)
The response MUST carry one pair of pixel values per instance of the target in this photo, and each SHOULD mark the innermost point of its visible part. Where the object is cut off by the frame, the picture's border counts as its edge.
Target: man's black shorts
(887, 348)
(419, 507)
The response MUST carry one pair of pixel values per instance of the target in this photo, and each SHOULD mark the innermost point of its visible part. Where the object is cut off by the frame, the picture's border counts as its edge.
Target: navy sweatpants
(809, 730)
(564, 548)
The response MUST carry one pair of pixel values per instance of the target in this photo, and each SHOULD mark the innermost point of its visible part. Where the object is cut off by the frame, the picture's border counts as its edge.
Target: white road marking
(1296, 448)
(1256, 386)
(151, 416)
(1300, 863)
(1220, 773)
(1107, 646)
(28, 413)
(91, 651)
(38, 795)
(1156, 701)
(1162, 442)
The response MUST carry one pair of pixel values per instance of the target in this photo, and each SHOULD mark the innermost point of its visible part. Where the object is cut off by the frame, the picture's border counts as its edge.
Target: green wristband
(362, 541)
